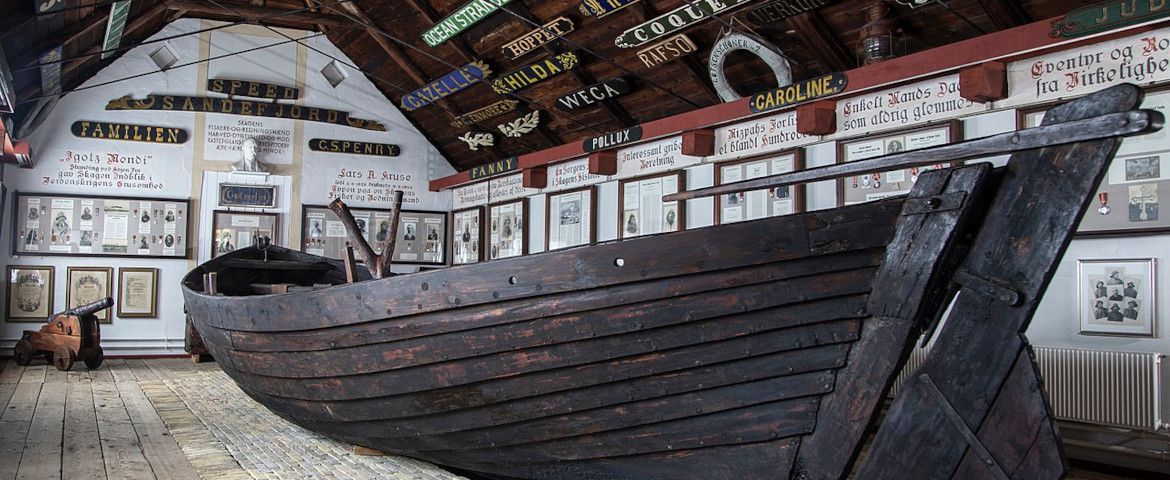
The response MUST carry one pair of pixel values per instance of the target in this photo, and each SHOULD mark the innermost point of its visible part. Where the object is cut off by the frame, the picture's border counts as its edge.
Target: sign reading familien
(445, 86)
(1107, 16)
(799, 92)
(244, 88)
(494, 110)
(466, 16)
(356, 148)
(680, 18)
(778, 10)
(182, 103)
(612, 139)
(495, 168)
(541, 35)
(134, 133)
(533, 73)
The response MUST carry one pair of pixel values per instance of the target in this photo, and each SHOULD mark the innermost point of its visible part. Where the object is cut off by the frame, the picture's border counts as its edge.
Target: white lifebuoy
(761, 48)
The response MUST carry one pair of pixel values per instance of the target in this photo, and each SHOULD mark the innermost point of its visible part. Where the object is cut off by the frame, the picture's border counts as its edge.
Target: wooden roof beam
(1005, 14)
(645, 12)
(818, 35)
(262, 15)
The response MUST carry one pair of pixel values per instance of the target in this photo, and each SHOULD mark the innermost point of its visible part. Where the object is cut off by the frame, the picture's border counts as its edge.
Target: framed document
(508, 235)
(137, 292)
(234, 230)
(570, 218)
(87, 285)
(876, 186)
(30, 293)
(322, 233)
(421, 238)
(1117, 297)
(467, 236)
(771, 202)
(642, 210)
(79, 225)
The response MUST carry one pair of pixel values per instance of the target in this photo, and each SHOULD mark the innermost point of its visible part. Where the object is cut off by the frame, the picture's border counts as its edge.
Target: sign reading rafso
(680, 18)
(494, 110)
(134, 133)
(537, 37)
(592, 94)
(1108, 16)
(533, 73)
(778, 10)
(357, 148)
(466, 16)
(182, 103)
(445, 86)
(495, 168)
(799, 92)
(613, 139)
(601, 8)
(667, 50)
(244, 88)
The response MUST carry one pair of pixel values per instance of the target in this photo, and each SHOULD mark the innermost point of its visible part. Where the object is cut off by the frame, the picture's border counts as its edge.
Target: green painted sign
(466, 16)
(675, 20)
(119, 12)
(1107, 16)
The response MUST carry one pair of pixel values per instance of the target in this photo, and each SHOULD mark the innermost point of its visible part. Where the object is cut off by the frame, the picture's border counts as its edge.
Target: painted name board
(601, 8)
(667, 50)
(182, 103)
(464, 17)
(799, 92)
(357, 148)
(470, 195)
(507, 188)
(904, 106)
(682, 17)
(1107, 16)
(445, 86)
(495, 168)
(778, 10)
(758, 136)
(1143, 59)
(261, 196)
(533, 73)
(571, 174)
(115, 24)
(613, 139)
(661, 156)
(537, 37)
(134, 133)
(592, 94)
(494, 110)
(244, 88)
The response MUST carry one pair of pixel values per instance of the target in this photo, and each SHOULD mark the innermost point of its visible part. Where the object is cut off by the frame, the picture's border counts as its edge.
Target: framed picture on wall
(1117, 296)
(876, 186)
(421, 237)
(571, 218)
(29, 296)
(507, 233)
(81, 225)
(771, 202)
(234, 230)
(467, 236)
(137, 292)
(85, 285)
(642, 210)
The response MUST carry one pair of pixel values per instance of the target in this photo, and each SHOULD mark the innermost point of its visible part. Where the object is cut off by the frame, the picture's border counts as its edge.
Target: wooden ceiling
(383, 38)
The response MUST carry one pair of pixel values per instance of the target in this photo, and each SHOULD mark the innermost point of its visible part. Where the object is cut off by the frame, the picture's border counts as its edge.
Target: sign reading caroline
(532, 73)
(1108, 16)
(904, 106)
(680, 18)
(799, 92)
(446, 85)
(601, 8)
(357, 148)
(182, 103)
(466, 16)
(1143, 59)
(244, 88)
(134, 133)
(495, 168)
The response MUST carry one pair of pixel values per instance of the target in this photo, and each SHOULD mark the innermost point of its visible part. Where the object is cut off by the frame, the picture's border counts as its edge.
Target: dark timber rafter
(816, 33)
(645, 12)
(1005, 14)
(272, 16)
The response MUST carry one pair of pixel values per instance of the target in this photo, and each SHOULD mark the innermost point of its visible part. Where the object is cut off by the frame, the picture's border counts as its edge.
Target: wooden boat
(761, 349)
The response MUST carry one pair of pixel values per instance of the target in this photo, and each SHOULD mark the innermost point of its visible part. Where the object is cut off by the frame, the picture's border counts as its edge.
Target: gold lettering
(173, 135)
(270, 92)
(1132, 9)
(245, 108)
(217, 86)
(253, 89)
(314, 114)
(168, 102)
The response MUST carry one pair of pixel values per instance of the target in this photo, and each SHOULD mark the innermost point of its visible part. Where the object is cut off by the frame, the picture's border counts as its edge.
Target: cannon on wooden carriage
(69, 335)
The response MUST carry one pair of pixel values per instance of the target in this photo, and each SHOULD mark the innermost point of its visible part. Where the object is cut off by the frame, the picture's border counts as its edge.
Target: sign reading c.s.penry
(613, 139)
(528, 42)
(494, 110)
(357, 148)
(1107, 16)
(244, 88)
(532, 73)
(262, 196)
(182, 103)
(495, 168)
(445, 86)
(134, 133)
(799, 92)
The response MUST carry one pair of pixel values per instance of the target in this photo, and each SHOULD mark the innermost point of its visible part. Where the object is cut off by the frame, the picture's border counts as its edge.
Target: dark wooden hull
(760, 349)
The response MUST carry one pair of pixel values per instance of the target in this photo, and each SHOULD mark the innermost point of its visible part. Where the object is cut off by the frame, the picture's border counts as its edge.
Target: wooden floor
(172, 419)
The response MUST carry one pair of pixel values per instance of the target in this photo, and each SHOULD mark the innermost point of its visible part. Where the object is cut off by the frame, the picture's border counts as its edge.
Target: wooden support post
(356, 240)
(392, 237)
(210, 281)
(350, 264)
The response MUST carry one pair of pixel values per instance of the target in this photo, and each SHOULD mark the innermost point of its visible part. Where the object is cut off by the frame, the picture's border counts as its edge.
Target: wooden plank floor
(171, 419)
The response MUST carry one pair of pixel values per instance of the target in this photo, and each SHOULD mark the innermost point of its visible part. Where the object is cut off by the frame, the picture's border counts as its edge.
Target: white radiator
(1121, 389)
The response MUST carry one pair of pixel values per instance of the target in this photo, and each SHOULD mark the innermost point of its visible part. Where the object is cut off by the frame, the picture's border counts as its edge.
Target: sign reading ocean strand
(778, 10)
(445, 86)
(767, 52)
(675, 20)
(244, 88)
(667, 50)
(799, 92)
(592, 94)
(534, 73)
(464, 17)
(352, 147)
(134, 133)
(541, 35)
(182, 103)
(1107, 16)
(494, 110)
(601, 8)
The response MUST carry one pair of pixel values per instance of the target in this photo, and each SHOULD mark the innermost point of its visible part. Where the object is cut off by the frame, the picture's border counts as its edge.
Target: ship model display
(759, 349)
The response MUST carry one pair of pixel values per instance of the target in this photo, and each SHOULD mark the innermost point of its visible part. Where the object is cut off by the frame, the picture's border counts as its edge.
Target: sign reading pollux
(532, 73)
(613, 139)
(495, 168)
(594, 93)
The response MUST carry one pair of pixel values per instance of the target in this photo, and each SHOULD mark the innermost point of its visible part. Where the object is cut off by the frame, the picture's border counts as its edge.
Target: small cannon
(68, 335)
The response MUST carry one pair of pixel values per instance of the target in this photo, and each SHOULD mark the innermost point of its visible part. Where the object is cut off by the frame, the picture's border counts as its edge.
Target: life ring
(767, 52)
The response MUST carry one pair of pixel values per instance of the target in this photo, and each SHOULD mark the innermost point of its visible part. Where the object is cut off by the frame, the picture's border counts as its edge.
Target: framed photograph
(570, 218)
(422, 237)
(467, 236)
(876, 186)
(642, 210)
(87, 285)
(80, 225)
(137, 292)
(771, 202)
(508, 232)
(30, 293)
(1117, 296)
(233, 230)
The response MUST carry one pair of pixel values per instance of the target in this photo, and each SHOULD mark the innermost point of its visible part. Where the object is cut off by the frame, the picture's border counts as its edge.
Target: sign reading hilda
(1143, 58)
(904, 106)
